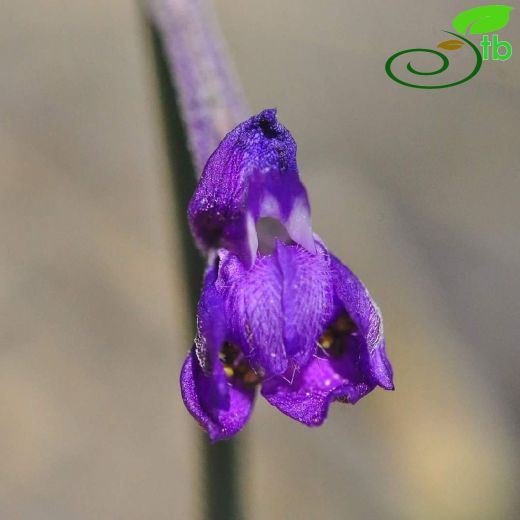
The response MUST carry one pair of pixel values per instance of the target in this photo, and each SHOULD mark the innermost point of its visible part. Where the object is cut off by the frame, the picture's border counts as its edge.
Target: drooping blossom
(289, 320)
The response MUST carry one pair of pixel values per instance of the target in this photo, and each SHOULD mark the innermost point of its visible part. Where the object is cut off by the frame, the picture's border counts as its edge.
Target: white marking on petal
(252, 238)
(270, 207)
(299, 227)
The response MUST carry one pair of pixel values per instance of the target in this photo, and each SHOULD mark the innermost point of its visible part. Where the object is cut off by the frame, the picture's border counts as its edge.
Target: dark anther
(236, 365)
(333, 338)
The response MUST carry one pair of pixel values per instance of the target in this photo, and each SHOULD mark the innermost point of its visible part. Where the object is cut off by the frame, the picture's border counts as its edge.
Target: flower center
(332, 341)
(237, 367)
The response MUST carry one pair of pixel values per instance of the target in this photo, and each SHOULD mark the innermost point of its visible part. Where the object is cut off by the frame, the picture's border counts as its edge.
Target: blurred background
(417, 191)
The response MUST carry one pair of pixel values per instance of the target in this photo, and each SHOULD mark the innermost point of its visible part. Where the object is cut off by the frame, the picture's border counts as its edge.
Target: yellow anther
(229, 371)
(326, 340)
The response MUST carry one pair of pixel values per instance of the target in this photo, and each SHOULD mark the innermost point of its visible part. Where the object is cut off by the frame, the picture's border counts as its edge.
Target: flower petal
(219, 423)
(305, 395)
(211, 333)
(253, 303)
(279, 306)
(347, 374)
(252, 174)
(221, 407)
(356, 300)
(307, 298)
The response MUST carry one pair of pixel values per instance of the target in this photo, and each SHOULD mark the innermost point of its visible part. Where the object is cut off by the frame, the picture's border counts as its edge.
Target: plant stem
(219, 468)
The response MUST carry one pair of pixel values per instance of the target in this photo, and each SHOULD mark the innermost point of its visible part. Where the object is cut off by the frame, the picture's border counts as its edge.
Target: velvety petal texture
(252, 174)
(350, 370)
(220, 423)
(220, 407)
(354, 297)
(279, 306)
(211, 333)
(289, 318)
(305, 395)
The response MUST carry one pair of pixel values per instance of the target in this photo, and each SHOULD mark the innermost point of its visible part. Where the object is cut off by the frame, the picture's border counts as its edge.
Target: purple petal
(356, 300)
(279, 306)
(346, 375)
(252, 174)
(221, 407)
(253, 300)
(305, 395)
(219, 423)
(211, 333)
(307, 298)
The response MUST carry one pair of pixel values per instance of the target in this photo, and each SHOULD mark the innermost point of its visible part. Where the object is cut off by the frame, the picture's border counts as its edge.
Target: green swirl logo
(480, 20)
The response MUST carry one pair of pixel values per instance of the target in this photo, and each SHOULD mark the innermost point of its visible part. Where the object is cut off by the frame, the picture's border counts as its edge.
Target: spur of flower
(278, 312)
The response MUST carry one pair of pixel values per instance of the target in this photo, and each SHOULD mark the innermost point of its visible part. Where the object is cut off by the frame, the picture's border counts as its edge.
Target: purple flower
(290, 320)
(252, 174)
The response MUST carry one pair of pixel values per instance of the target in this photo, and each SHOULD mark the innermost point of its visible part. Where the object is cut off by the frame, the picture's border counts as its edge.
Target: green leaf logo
(483, 19)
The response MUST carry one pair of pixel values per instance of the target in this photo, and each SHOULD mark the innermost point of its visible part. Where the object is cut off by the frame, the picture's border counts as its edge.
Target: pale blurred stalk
(201, 102)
